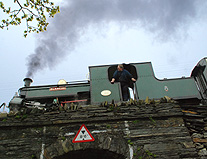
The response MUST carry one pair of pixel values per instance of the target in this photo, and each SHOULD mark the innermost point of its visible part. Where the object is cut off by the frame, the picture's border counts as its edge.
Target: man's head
(120, 67)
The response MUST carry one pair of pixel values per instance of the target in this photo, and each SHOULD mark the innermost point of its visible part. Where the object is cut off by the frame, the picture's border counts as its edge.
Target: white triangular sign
(83, 135)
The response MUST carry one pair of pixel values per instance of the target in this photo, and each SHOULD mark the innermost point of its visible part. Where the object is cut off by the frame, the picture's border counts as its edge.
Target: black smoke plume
(163, 18)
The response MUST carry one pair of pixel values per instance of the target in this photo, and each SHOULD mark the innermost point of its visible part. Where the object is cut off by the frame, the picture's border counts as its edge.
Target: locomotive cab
(101, 88)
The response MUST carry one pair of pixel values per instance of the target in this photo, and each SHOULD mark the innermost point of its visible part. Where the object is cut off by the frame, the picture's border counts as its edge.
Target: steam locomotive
(98, 88)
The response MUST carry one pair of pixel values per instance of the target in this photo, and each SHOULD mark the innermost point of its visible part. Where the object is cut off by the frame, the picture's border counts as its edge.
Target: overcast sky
(169, 33)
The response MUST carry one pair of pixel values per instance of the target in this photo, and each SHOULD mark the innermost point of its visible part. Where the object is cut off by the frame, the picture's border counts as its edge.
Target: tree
(34, 12)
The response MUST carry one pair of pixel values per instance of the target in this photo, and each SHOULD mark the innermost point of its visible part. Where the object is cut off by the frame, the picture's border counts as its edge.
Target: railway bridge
(126, 131)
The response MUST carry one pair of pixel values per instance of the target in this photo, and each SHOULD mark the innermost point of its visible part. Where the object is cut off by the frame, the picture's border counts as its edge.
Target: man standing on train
(124, 77)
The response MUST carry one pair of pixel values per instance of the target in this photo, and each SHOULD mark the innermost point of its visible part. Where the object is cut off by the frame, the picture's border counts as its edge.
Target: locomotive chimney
(27, 82)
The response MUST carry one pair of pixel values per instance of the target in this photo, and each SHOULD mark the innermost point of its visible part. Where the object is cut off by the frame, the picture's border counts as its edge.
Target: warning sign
(83, 135)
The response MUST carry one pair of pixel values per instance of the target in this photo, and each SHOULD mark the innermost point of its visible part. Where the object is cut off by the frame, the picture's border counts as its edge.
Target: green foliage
(17, 117)
(150, 153)
(111, 107)
(135, 121)
(63, 138)
(144, 153)
(130, 142)
(30, 11)
(153, 121)
(22, 117)
(108, 126)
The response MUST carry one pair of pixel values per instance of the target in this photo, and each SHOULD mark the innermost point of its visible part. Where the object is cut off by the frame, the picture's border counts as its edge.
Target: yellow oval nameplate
(106, 93)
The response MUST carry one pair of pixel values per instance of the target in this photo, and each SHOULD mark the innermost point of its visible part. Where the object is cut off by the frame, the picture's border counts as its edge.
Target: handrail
(135, 92)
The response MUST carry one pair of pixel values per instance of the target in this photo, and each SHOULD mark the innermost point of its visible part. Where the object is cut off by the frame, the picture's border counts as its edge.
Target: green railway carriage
(99, 89)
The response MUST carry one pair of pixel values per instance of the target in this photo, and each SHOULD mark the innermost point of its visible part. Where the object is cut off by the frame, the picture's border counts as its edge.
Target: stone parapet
(120, 132)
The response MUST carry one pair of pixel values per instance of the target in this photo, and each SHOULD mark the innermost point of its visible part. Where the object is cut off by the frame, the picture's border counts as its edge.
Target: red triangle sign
(83, 135)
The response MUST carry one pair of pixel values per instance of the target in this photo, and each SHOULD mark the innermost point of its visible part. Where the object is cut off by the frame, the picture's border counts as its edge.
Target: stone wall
(126, 131)
(195, 118)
